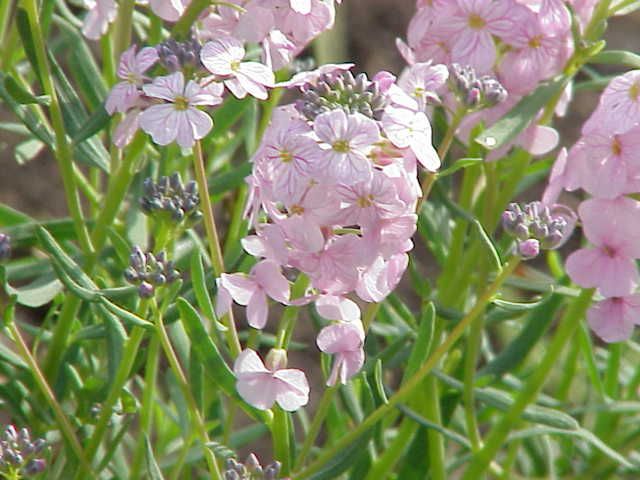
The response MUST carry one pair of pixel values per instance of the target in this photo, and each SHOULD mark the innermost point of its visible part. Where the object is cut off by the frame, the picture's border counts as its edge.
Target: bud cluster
(19, 454)
(343, 91)
(535, 227)
(475, 92)
(150, 271)
(5, 247)
(251, 470)
(178, 56)
(170, 197)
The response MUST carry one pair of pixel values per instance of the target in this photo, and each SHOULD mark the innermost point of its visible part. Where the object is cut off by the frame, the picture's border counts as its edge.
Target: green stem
(62, 151)
(290, 314)
(416, 379)
(370, 315)
(196, 418)
(148, 404)
(316, 424)
(217, 260)
(435, 444)
(61, 418)
(122, 376)
(280, 437)
(496, 438)
(123, 28)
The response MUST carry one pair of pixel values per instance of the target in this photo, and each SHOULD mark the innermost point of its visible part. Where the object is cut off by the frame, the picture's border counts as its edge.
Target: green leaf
(377, 377)
(98, 120)
(24, 30)
(153, 470)
(422, 345)
(520, 116)
(199, 282)
(344, 460)
(23, 96)
(230, 180)
(536, 324)
(228, 114)
(617, 57)
(38, 293)
(489, 244)
(216, 368)
(10, 217)
(459, 165)
(28, 150)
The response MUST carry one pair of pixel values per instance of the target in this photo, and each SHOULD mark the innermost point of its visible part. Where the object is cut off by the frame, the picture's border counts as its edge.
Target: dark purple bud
(35, 466)
(146, 290)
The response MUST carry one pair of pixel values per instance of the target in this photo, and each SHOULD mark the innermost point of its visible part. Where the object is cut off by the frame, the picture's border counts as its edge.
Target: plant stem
(316, 424)
(197, 420)
(290, 314)
(61, 418)
(280, 436)
(214, 241)
(123, 27)
(62, 151)
(496, 438)
(416, 379)
(146, 412)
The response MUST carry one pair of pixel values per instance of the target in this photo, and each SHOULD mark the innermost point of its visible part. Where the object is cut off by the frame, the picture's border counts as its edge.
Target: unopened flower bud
(5, 247)
(529, 248)
(276, 359)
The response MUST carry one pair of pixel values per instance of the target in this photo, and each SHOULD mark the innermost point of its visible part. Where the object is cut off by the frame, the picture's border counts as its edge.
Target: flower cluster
(537, 226)
(19, 454)
(150, 271)
(165, 90)
(171, 199)
(251, 470)
(475, 92)
(605, 162)
(5, 247)
(534, 36)
(333, 196)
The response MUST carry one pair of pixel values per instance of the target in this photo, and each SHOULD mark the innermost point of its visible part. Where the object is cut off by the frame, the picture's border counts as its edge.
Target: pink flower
(177, 118)
(101, 14)
(557, 179)
(223, 57)
(411, 129)
(471, 24)
(127, 128)
(301, 6)
(169, 10)
(131, 69)
(612, 228)
(344, 341)
(335, 307)
(619, 107)
(422, 81)
(302, 28)
(277, 50)
(251, 291)
(381, 277)
(269, 243)
(347, 140)
(262, 387)
(536, 55)
(613, 318)
(601, 155)
(365, 203)
(311, 78)
(427, 42)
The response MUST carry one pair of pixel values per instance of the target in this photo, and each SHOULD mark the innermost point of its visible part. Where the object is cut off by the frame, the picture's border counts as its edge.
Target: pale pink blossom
(169, 10)
(557, 179)
(365, 203)
(611, 226)
(411, 129)
(223, 57)
(381, 277)
(423, 81)
(471, 24)
(612, 319)
(277, 50)
(269, 242)
(426, 41)
(177, 118)
(344, 341)
(619, 106)
(302, 28)
(338, 308)
(127, 128)
(131, 70)
(262, 387)
(346, 141)
(251, 291)
(101, 14)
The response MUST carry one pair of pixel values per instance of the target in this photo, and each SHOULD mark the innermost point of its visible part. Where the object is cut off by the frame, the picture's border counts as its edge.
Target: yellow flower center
(235, 65)
(536, 41)
(365, 201)
(616, 147)
(132, 78)
(297, 209)
(634, 91)
(181, 103)
(285, 156)
(341, 146)
(418, 92)
(476, 21)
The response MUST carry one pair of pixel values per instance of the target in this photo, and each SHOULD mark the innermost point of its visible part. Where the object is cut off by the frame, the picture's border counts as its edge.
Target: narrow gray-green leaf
(520, 116)
(153, 470)
(617, 57)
